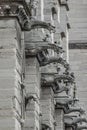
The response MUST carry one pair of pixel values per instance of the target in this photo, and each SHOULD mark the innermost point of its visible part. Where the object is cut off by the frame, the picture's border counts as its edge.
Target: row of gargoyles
(71, 121)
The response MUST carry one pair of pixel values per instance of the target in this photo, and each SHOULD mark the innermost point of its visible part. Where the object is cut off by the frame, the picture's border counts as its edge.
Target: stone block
(31, 122)
(32, 114)
(9, 93)
(7, 23)
(32, 62)
(7, 53)
(9, 82)
(8, 113)
(32, 89)
(9, 123)
(32, 79)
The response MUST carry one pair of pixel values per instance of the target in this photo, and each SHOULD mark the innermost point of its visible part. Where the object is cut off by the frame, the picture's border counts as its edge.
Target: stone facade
(78, 47)
(37, 87)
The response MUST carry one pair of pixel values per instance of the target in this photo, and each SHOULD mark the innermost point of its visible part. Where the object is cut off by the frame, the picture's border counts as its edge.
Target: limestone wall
(78, 21)
(10, 71)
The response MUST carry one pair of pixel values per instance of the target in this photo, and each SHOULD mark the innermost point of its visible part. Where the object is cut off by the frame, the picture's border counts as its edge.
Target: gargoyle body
(67, 109)
(31, 23)
(55, 60)
(35, 48)
(81, 127)
(64, 101)
(74, 109)
(73, 120)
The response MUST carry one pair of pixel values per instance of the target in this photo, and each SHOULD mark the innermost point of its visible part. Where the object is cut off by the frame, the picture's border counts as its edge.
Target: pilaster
(10, 74)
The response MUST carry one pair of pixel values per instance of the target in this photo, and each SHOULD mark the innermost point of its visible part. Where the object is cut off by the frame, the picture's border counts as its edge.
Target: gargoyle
(48, 79)
(64, 101)
(74, 109)
(68, 109)
(35, 48)
(69, 120)
(81, 127)
(45, 127)
(27, 99)
(31, 23)
(55, 59)
(48, 60)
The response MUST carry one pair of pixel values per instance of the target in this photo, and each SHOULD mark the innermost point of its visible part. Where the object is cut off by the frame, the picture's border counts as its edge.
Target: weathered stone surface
(59, 119)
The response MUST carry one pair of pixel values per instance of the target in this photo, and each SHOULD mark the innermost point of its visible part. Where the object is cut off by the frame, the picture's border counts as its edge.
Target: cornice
(78, 46)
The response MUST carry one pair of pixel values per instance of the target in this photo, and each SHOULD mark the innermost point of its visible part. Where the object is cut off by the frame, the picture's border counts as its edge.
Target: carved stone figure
(33, 4)
(74, 109)
(27, 22)
(48, 60)
(64, 101)
(35, 48)
(81, 127)
(69, 120)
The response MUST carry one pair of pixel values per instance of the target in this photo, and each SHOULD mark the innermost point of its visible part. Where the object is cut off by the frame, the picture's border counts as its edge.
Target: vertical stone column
(59, 119)
(47, 106)
(63, 22)
(32, 84)
(10, 75)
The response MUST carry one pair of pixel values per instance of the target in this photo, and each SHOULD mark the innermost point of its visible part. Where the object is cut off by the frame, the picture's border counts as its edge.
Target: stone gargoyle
(45, 60)
(63, 101)
(27, 22)
(31, 23)
(70, 120)
(49, 79)
(81, 127)
(74, 109)
(35, 48)
(45, 127)
(68, 109)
